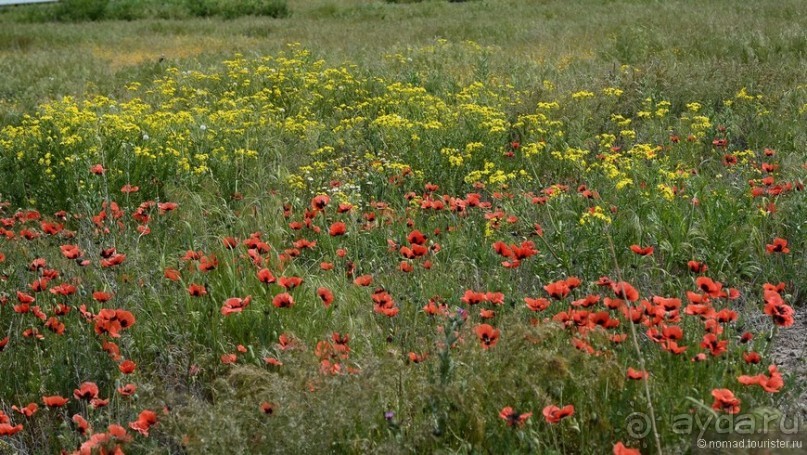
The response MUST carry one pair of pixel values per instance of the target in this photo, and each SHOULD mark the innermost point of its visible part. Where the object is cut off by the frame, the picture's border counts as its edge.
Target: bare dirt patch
(789, 354)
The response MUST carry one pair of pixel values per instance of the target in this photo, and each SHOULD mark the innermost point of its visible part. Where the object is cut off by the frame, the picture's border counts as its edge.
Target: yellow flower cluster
(336, 129)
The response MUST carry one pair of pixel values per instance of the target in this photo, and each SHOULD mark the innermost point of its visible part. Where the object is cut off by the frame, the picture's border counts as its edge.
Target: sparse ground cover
(429, 227)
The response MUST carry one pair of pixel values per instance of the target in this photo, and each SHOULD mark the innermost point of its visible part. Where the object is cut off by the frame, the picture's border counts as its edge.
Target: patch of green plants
(128, 10)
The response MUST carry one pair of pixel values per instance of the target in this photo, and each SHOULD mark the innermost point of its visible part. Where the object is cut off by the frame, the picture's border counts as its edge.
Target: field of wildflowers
(432, 248)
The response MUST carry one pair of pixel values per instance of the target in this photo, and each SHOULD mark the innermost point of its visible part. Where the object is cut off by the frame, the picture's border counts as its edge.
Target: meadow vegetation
(365, 226)
(128, 10)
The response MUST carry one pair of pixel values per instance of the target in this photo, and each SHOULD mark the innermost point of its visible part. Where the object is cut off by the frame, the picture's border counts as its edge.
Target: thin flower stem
(639, 354)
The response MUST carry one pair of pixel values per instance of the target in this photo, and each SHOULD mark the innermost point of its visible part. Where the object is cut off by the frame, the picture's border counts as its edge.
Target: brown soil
(789, 352)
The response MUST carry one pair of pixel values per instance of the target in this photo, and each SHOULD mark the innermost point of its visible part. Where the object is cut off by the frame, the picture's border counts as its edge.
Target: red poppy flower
(305, 244)
(418, 250)
(265, 276)
(165, 207)
(127, 390)
(326, 296)
(582, 345)
(557, 290)
(620, 449)
(435, 307)
(228, 359)
(29, 234)
(624, 290)
(28, 410)
(406, 266)
(97, 169)
(285, 342)
(485, 313)
(729, 159)
(604, 281)
(725, 401)
(715, 346)
(208, 263)
(513, 418)
(61, 309)
(118, 432)
(25, 298)
(6, 429)
(172, 274)
(775, 307)
(54, 401)
(71, 251)
(229, 242)
(726, 315)
(587, 301)
(283, 300)
(668, 303)
(473, 297)
(771, 383)
(383, 303)
(416, 238)
(538, 304)
(102, 297)
(554, 414)
(416, 358)
(97, 403)
(197, 290)
(768, 167)
(779, 245)
(636, 374)
(86, 391)
(496, 298)
(642, 251)
(235, 305)
(63, 289)
(337, 228)
(697, 267)
(289, 282)
(487, 335)
(127, 367)
(672, 346)
(502, 249)
(115, 259)
(111, 322)
(320, 201)
(267, 408)
(36, 264)
(126, 189)
(82, 426)
(145, 420)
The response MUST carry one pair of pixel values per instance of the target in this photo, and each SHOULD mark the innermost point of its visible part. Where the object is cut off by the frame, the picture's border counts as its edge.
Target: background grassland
(686, 49)
(407, 59)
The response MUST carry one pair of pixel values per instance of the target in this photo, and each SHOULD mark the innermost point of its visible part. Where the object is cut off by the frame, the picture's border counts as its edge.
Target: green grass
(128, 10)
(243, 121)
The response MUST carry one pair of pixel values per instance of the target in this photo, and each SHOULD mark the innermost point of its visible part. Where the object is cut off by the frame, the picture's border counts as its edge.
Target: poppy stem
(636, 347)
(549, 248)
